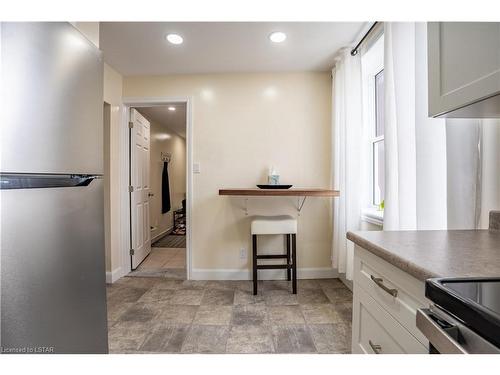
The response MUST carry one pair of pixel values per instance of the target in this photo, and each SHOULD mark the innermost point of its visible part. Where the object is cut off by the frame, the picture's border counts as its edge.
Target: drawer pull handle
(380, 283)
(376, 348)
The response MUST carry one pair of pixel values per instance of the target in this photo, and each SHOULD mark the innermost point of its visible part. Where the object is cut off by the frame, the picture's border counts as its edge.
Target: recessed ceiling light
(171, 109)
(277, 37)
(175, 38)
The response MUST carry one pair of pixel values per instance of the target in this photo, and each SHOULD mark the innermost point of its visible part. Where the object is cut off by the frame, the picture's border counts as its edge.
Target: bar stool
(286, 225)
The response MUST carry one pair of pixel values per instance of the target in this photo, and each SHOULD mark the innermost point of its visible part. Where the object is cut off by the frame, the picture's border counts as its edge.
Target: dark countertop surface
(439, 253)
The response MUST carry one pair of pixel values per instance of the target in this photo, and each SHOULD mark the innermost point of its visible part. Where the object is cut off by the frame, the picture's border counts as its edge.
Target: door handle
(380, 283)
(87, 180)
(151, 195)
(441, 338)
(375, 347)
(43, 180)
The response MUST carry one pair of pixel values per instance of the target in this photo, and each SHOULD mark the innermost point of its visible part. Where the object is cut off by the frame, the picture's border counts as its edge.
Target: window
(372, 63)
(377, 143)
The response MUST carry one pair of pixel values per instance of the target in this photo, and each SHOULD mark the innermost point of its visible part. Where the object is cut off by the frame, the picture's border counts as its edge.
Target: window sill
(373, 216)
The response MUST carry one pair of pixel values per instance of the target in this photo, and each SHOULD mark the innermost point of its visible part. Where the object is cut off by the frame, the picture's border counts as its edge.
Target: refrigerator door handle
(10, 181)
(86, 180)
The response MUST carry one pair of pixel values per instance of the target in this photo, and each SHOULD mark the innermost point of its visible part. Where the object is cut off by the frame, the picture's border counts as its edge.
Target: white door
(139, 196)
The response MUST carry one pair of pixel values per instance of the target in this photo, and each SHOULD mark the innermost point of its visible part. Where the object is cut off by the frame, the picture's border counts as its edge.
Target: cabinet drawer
(377, 332)
(379, 279)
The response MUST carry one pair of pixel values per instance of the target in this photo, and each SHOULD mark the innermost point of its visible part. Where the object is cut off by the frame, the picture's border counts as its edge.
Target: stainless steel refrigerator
(53, 291)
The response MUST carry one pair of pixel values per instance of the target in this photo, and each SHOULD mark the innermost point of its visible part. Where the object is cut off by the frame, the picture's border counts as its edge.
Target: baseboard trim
(114, 275)
(239, 274)
(166, 231)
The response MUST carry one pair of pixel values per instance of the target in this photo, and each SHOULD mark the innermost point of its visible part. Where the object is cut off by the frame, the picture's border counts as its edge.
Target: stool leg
(294, 263)
(288, 258)
(254, 251)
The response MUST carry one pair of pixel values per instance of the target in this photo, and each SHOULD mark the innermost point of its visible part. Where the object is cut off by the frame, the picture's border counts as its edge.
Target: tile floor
(164, 257)
(157, 315)
(163, 262)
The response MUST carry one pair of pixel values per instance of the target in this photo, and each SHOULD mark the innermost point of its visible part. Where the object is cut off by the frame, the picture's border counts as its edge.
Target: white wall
(89, 29)
(490, 190)
(107, 183)
(113, 96)
(165, 140)
(242, 124)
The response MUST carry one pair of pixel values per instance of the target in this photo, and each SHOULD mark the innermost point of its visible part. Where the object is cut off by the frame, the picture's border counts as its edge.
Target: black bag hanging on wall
(165, 190)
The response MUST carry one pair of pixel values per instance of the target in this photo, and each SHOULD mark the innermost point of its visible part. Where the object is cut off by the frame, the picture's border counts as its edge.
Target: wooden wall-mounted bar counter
(297, 192)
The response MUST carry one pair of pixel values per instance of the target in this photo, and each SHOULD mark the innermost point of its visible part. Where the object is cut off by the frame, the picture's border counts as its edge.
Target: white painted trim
(244, 274)
(124, 175)
(124, 194)
(162, 233)
(114, 275)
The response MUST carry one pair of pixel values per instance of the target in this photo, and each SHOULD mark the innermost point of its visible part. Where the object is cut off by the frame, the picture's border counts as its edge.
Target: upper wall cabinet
(464, 69)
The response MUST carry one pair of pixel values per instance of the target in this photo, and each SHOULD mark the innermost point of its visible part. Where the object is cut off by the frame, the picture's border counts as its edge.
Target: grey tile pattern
(206, 339)
(279, 297)
(285, 314)
(218, 297)
(213, 315)
(187, 297)
(116, 310)
(118, 294)
(311, 296)
(308, 284)
(249, 339)
(178, 314)
(155, 315)
(242, 297)
(127, 336)
(139, 312)
(165, 339)
(249, 314)
(292, 339)
(494, 220)
(344, 309)
(156, 294)
(338, 294)
(320, 313)
(322, 333)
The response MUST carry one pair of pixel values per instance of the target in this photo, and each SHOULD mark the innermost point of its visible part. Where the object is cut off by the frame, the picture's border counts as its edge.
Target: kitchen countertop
(439, 253)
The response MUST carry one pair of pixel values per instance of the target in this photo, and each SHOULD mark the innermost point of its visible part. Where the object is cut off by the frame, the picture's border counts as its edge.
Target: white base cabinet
(385, 305)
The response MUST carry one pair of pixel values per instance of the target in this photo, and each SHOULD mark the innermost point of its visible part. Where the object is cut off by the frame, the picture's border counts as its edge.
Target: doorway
(159, 185)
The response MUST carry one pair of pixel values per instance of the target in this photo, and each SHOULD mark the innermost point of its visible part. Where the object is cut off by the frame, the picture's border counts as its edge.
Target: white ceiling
(140, 48)
(173, 121)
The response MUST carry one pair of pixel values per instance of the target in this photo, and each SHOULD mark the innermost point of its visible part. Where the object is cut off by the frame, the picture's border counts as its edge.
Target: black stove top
(475, 301)
(484, 293)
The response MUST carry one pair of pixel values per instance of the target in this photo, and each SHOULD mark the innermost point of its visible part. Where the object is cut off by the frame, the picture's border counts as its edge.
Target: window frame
(372, 63)
(374, 140)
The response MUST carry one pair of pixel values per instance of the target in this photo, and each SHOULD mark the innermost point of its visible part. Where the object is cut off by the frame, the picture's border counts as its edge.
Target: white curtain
(440, 174)
(415, 145)
(463, 151)
(400, 154)
(473, 151)
(347, 133)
